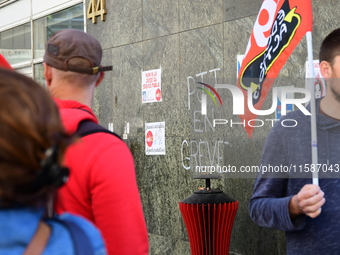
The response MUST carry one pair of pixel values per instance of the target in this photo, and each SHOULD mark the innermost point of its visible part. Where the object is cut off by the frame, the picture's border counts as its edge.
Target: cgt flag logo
(279, 27)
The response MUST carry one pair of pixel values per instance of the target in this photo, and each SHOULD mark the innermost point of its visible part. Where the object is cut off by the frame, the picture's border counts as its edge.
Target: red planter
(209, 218)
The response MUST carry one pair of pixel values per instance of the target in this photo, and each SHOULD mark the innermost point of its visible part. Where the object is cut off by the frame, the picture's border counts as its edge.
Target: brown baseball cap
(72, 43)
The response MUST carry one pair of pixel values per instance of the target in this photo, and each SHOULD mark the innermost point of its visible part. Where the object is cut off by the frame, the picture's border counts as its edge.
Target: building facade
(187, 40)
(26, 26)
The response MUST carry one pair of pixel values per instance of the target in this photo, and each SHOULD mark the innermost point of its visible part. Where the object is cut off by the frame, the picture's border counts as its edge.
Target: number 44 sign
(96, 8)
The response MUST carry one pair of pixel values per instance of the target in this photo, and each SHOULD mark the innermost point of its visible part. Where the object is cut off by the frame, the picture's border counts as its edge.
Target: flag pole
(310, 82)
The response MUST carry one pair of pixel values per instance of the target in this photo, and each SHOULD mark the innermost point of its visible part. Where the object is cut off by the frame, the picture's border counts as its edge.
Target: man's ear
(325, 69)
(100, 78)
(47, 74)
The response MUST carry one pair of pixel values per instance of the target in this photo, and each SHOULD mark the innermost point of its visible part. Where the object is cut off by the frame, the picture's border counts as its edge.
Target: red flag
(4, 63)
(279, 27)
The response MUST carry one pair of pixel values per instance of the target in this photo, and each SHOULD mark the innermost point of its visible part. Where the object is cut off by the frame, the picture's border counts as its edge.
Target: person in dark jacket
(308, 213)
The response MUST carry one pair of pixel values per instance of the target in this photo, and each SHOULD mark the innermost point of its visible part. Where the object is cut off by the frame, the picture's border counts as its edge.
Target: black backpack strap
(87, 127)
(81, 241)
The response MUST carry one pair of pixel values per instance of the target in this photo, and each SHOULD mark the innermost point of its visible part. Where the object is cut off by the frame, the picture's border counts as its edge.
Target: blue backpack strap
(81, 241)
(87, 127)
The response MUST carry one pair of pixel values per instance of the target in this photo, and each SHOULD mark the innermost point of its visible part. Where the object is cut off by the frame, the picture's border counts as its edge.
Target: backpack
(81, 242)
(87, 127)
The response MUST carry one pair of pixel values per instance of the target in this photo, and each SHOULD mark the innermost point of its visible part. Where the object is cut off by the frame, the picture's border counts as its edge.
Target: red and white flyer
(152, 86)
(155, 138)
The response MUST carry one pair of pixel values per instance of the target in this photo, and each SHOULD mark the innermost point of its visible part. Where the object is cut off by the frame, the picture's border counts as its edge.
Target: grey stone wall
(184, 38)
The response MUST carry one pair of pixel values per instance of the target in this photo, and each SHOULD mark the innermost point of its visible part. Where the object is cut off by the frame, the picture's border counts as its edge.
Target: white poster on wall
(319, 82)
(155, 138)
(152, 86)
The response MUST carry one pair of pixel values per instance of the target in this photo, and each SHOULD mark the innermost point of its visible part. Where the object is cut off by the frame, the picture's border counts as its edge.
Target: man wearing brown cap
(102, 185)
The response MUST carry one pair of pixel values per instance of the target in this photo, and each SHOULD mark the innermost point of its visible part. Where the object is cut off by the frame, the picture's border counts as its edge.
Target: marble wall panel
(199, 13)
(102, 30)
(126, 88)
(102, 102)
(163, 53)
(127, 21)
(186, 38)
(160, 18)
(238, 9)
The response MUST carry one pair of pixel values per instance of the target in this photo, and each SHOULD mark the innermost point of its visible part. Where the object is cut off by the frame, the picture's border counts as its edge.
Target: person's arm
(116, 203)
(270, 205)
